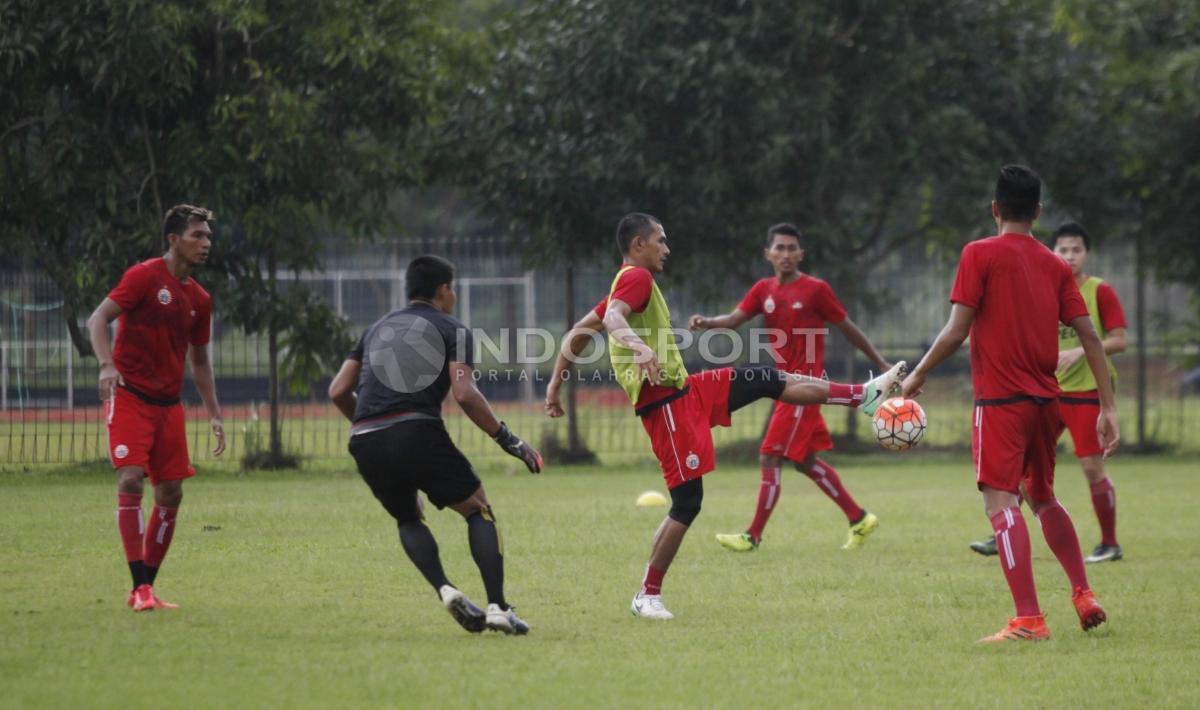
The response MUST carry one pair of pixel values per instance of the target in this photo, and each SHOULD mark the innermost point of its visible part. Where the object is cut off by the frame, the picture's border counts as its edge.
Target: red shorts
(681, 430)
(148, 435)
(1013, 444)
(1080, 410)
(796, 432)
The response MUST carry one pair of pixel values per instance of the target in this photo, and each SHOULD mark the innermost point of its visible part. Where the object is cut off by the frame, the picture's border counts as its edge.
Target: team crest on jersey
(692, 461)
(164, 296)
(121, 451)
(769, 305)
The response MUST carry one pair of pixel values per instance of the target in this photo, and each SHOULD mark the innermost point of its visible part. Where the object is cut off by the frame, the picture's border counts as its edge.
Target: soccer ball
(899, 424)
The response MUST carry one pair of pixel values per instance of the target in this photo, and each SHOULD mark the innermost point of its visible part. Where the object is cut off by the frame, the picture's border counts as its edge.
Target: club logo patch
(692, 461)
(121, 451)
(164, 296)
(769, 305)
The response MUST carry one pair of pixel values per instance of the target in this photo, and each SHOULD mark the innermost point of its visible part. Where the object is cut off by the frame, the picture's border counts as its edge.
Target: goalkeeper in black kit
(391, 388)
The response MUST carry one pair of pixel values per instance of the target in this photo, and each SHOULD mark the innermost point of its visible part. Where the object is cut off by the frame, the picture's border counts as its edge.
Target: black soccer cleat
(468, 616)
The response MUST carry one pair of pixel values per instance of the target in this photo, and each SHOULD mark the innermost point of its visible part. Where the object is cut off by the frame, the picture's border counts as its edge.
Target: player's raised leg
(868, 396)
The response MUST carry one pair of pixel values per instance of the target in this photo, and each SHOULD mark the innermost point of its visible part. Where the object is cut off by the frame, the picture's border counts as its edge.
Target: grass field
(295, 593)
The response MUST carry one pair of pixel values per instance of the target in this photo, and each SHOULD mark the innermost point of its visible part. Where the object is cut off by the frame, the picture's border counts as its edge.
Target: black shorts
(412, 456)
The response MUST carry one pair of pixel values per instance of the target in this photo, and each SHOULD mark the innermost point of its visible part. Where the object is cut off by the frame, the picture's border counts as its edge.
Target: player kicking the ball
(391, 388)
(796, 308)
(677, 409)
(1079, 402)
(165, 317)
(1009, 295)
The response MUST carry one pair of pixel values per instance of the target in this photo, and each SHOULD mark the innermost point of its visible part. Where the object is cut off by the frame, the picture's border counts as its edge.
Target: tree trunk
(1140, 289)
(574, 445)
(273, 360)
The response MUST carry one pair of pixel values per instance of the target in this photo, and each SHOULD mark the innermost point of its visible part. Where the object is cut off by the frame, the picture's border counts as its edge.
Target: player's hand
(513, 445)
(109, 379)
(648, 364)
(697, 322)
(218, 430)
(553, 406)
(912, 385)
(1108, 432)
(1068, 357)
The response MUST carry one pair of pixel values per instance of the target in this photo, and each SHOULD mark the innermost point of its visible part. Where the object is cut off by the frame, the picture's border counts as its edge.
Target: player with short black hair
(391, 388)
(797, 307)
(678, 410)
(1009, 296)
(1079, 402)
(165, 317)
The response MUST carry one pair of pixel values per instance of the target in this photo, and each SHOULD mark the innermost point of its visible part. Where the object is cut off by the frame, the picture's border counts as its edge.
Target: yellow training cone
(651, 499)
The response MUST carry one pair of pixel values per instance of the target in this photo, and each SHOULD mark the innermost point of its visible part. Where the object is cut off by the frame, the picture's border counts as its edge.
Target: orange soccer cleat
(1021, 628)
(144, 599)
(1091, 614)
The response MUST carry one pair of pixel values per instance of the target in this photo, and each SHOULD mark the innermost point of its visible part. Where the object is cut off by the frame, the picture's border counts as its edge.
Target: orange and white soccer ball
(899, 424)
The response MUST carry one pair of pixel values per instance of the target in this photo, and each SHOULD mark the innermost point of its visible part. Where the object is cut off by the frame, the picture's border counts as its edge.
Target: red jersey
(633, 288)
(1020, 291)
(798, 310)
(160, 317)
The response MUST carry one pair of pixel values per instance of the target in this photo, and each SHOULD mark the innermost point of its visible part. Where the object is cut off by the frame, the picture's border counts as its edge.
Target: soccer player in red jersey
(1009, 295)
(1079, 402)
(678, 410)
(164, 316)
(796, 307)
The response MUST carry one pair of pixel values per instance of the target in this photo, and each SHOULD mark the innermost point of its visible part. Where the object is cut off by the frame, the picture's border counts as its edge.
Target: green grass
(295, 593)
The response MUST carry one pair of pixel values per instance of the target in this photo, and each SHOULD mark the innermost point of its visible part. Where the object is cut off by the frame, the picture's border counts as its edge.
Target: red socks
(1060, 535)
(848, 395)
(1104, 500)
(652, 584)
(830, 484)
(768, 496)
(131, 525)
(158, 535)
(1012, 542)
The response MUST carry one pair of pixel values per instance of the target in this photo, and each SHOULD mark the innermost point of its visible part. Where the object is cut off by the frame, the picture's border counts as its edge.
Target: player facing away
(796, 307)
(391, 388)
(165, 317)
(1009, 295)
(677, 409)
(1080, 402)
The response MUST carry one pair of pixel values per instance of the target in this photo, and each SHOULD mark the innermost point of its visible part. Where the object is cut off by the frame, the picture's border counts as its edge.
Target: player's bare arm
(1107, 429)
(730, 320)
(955, 332)
(97, 325)
(202, 375)
(342, 388)
(479, 411)
(859, 339)
(1115, 342)
(573, 343)
(615, 320)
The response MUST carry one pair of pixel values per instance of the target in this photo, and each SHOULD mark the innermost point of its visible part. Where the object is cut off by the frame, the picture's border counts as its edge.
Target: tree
(293, 120)
(873, 125)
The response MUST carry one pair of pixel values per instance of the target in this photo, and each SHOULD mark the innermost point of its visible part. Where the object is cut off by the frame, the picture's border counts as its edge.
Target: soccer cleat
(738, 542)
(987, 547)
(880, 388)
(1021, 628)
(650, 606)
(505, 620)
(1091, 614)
(468, 616)
(860, 530)
(143, 598)
(1104, 553)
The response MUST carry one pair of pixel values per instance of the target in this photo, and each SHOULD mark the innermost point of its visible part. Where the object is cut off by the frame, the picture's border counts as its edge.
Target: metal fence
(50, 410)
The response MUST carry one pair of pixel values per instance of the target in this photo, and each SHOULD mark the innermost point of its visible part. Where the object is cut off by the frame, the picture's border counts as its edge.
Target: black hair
(176, 220)
(787, 229)
(1072, 229)
(425, 274)
(634, 224)
(1018, 193)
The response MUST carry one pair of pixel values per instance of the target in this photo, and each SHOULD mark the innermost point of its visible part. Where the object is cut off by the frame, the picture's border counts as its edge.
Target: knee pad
(685, 501)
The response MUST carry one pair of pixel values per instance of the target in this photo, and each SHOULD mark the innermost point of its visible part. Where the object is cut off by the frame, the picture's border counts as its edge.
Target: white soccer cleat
(876, 390)
(505, 620)
(650, 606)
(469, 616)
